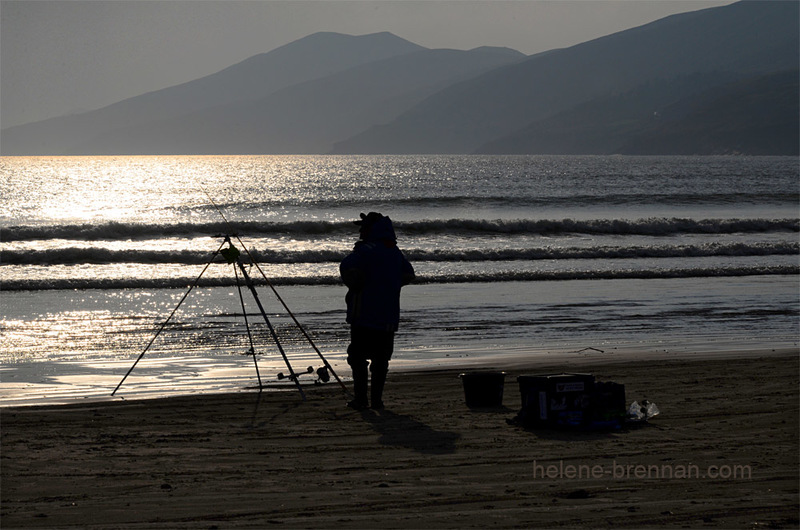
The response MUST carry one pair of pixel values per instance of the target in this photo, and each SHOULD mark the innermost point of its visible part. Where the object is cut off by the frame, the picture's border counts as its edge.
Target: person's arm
(351, 271)
(408, 272)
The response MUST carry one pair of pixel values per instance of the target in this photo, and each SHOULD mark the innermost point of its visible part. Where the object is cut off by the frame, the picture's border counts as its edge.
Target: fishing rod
(275, 292)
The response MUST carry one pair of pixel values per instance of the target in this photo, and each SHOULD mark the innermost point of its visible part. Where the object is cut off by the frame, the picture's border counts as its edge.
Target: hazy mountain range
(721, 80)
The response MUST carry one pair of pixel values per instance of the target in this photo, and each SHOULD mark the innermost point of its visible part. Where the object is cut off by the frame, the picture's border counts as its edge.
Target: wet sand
(250, 460)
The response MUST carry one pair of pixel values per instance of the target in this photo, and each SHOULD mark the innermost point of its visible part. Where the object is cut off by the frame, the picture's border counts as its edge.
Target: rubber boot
(379, 371)
(360, 376)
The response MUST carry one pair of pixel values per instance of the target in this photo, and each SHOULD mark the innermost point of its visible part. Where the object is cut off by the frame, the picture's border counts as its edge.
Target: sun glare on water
(131, 189)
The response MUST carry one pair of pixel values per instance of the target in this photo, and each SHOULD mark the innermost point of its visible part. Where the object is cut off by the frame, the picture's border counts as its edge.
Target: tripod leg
(252, 288)
(168, 318)
(247, 325)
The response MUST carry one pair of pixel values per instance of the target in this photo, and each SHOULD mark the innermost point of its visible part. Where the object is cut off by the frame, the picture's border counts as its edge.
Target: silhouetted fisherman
(374, 273)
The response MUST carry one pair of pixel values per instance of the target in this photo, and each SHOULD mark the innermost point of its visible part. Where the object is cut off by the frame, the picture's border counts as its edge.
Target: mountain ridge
(746, 37)
(381, 94)
(310, 57)
(307, 117)
(656, 118)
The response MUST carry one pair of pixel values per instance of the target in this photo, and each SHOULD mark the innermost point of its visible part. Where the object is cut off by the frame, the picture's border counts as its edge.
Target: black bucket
(483, 389)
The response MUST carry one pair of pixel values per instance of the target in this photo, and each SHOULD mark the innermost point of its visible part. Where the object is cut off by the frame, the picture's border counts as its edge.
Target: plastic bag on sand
(645, 411)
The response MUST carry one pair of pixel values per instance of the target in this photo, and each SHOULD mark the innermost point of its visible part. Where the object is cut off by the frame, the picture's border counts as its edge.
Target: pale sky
(66, 56)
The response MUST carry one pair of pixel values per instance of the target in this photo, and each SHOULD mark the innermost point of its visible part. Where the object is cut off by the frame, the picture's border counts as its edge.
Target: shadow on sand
(405, 431)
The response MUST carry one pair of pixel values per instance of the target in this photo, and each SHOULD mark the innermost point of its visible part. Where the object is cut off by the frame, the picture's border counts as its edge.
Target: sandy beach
(250, 460)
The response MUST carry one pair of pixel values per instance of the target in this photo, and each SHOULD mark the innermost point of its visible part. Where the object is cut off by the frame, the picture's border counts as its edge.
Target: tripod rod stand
(232, 256)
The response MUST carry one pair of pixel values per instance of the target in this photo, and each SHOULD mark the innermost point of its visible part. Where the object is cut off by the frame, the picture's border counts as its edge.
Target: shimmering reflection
(95, 250)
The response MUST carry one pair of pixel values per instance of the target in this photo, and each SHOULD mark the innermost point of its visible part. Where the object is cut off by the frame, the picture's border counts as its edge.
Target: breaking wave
(504, 200)
(647, 227)
(79, 255)
(468, 277)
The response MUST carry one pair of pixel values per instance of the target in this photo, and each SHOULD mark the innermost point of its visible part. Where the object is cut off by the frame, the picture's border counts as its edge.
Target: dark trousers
(367, 344)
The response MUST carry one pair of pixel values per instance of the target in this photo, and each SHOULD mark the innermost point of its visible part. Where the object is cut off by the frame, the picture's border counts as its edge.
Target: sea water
(523, 255)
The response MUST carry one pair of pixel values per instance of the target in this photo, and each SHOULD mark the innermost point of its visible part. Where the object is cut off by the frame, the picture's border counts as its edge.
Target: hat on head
(369, 219)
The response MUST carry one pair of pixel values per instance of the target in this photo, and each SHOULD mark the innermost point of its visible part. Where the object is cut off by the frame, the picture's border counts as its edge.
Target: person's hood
(381, 230)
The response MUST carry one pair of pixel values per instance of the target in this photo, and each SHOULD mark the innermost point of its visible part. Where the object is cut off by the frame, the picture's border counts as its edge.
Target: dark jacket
(374, 273)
